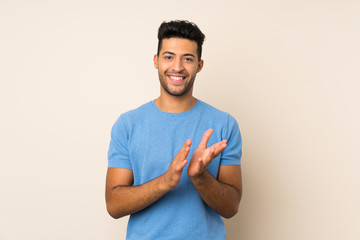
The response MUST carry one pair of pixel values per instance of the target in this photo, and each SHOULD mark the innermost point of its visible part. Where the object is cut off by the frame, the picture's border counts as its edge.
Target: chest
(153, 146)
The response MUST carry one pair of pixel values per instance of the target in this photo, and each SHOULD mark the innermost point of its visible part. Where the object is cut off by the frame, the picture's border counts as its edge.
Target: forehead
(178, 46)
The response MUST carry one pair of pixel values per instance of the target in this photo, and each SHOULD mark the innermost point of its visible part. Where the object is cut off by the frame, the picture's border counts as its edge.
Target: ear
(200, 65)
(156, 59)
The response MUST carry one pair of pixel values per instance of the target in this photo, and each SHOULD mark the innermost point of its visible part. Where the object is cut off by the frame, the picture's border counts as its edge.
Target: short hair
(181, 29)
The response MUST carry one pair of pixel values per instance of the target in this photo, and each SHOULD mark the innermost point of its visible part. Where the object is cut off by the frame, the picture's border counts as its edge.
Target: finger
(219, 147)
(213, 151)
(207, 156)
(184, 151)
(186, 147)
(180, 166)
(206, 138)
(218, 144)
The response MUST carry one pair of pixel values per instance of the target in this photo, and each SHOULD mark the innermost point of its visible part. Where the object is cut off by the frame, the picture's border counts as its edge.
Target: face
(177, 65)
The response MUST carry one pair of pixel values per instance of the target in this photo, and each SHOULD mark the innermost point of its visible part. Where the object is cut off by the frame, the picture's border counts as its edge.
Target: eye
(188, 59)
(168, 57)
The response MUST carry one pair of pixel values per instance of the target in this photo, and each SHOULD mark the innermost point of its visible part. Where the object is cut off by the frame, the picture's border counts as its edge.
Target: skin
(177, 57)
(177, 66)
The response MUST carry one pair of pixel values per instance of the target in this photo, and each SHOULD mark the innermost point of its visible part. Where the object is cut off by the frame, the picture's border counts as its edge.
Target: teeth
(177, 78)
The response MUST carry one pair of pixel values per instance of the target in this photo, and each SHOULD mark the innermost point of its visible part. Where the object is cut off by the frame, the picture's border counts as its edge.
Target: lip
(176, 79)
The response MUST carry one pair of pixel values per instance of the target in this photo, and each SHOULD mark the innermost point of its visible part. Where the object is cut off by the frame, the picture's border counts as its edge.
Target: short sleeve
(232, 153)
(118, 154)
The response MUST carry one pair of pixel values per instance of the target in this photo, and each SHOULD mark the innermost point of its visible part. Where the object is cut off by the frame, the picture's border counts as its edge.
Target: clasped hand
(201, 158)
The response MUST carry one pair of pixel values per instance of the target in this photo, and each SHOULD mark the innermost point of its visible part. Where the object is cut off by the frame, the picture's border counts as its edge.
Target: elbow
(230, 213)
(113, 212)
(113, 208)
(233, 208)
(114, 215)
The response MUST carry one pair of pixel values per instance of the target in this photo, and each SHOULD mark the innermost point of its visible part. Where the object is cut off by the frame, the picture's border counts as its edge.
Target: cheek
(162, 67)
(194, 70)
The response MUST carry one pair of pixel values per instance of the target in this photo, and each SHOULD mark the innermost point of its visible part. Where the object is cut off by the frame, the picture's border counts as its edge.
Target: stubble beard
(180, 93)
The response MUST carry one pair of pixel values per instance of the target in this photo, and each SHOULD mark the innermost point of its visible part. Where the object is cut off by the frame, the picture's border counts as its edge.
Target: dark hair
(181, 29)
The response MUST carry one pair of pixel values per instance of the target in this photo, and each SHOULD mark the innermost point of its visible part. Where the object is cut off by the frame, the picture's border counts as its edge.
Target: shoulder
(131, 117)
(134, 113)
(215, 113)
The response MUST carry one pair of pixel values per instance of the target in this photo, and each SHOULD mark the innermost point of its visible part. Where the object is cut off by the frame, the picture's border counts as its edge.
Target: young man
(174, 163)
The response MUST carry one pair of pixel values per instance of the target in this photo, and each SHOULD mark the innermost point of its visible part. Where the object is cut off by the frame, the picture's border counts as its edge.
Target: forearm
(221, 197)
(125, 200)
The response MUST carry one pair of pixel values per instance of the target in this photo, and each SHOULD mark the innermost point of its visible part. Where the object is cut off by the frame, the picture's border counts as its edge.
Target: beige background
(288, 71)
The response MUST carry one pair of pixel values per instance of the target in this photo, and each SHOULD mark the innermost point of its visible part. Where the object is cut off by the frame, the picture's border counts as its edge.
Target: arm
(123, 199)
(223, 194)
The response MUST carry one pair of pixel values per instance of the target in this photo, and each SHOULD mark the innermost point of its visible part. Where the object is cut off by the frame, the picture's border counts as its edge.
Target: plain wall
(288, 71)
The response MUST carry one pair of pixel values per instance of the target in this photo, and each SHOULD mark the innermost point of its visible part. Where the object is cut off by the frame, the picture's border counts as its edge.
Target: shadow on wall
(235, 226)
(233, 229)
(244, 224)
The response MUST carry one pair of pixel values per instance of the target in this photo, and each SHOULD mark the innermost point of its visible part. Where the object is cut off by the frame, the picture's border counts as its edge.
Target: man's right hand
(172, 176)
(123, 199)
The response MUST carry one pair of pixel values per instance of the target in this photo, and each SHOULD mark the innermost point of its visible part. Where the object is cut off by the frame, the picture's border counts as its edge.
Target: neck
(175, 104)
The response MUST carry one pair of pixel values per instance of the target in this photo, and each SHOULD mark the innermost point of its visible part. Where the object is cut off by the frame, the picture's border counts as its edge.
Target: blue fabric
(146, 140)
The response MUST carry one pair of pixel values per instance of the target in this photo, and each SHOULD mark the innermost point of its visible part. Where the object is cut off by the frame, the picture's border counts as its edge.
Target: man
(174, 163)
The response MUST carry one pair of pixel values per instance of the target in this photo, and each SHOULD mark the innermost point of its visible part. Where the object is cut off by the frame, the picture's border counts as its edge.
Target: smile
(176, 79)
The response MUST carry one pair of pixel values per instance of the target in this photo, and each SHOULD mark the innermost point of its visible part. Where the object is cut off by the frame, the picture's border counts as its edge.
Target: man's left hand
(203, 155)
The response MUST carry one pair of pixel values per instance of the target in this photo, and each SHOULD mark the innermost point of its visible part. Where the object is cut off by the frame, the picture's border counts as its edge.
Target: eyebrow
(189, 54)
(186, 54)
(168, 52)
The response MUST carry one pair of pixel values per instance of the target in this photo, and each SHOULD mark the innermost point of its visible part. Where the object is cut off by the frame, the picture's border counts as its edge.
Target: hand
(171, 177)
(203, 156)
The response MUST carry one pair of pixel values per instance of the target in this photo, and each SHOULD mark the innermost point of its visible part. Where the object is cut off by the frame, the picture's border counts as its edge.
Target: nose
(178, 65)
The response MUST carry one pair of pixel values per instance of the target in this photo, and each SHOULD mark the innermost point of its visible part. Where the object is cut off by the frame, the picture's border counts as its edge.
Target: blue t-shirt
(146, 140)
